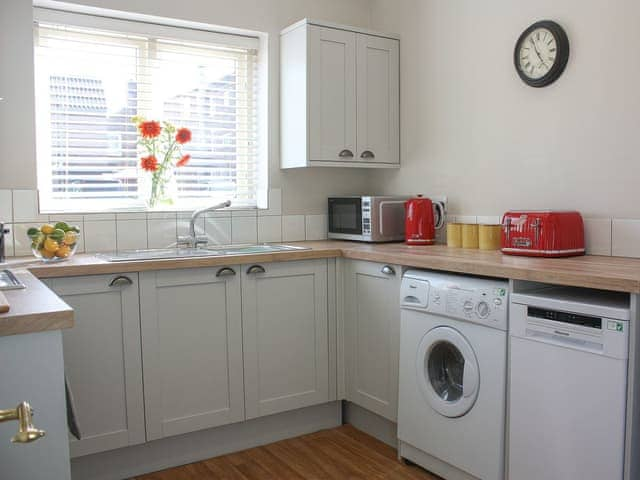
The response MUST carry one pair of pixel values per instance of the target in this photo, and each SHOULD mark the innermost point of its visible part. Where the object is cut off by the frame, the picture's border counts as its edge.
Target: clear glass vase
(162, 190)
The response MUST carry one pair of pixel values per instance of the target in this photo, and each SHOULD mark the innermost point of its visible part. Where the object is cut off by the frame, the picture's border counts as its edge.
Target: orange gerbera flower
(183, 161)
(183, 135)
(150, 129)
(150, 163)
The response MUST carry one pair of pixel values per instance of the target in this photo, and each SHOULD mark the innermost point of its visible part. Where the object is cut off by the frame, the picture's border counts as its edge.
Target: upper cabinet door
(332, 94)
(285, 329)
(102, 360)
(378, 87)
(192, 349)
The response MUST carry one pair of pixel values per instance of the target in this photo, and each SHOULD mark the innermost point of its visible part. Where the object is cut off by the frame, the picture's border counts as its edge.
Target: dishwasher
(568, 352)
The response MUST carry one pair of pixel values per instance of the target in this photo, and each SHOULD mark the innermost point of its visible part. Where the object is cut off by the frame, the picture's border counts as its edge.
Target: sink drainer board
(8, 281)
(169, 253)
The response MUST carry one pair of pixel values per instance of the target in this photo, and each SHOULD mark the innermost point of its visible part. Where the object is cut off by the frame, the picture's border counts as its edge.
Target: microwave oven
(367, 218)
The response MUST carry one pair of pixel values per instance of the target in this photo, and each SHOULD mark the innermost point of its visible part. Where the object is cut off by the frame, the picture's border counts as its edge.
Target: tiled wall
(603, 236)
(112, 231)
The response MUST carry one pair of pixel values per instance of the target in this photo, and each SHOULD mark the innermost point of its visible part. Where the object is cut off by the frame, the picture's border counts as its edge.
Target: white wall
(473, 130)
(303, 191)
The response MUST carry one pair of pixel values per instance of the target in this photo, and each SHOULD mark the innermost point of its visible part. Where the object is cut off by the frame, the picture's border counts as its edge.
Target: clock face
(541, 53)
(538, 53)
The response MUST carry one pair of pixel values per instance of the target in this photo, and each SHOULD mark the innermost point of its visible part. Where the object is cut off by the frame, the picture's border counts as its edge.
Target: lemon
(70, 237)
(63, 252)
(47, 254)
(50, 245)
(47, 228)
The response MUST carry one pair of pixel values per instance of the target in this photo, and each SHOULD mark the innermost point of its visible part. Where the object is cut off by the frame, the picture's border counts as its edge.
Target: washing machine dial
(483, 309)
(468, 307)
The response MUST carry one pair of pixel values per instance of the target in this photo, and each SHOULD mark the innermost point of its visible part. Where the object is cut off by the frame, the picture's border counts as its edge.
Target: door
(332, 94)
(447, 371)
(378, 99)
(372, 330)
(192, 349)
(31, 370)
(102, 360)
(285, 323)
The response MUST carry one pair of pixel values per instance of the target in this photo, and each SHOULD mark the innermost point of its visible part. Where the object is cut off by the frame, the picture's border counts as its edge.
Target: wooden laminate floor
(338, 454)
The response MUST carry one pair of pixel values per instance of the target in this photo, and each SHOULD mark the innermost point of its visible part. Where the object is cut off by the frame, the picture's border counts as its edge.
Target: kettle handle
(438, 213)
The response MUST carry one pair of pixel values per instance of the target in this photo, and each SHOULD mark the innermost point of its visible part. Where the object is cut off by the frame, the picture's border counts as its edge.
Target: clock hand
(535, 48)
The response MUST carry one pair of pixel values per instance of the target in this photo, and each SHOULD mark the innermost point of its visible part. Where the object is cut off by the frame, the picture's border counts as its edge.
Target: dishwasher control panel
(477, 300)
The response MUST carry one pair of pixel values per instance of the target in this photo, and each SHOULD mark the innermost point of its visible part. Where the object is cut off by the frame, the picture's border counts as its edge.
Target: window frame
(158, 29)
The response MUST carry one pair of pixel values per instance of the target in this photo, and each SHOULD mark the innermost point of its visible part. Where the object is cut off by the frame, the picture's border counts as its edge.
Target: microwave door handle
(381, 205)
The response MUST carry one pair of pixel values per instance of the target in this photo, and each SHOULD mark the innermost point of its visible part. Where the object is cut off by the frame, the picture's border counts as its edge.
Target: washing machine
(453, 357)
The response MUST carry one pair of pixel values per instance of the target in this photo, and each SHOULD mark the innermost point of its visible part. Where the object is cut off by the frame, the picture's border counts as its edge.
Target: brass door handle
(225, 272)
(23, 413)
(121, 281)
(256, 269)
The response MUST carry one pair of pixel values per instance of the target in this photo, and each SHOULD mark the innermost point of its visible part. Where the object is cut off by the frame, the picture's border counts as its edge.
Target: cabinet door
(332, 94)
(103, 361)
(372, 336)
(284, 314)
(192, 349)
(378, 72)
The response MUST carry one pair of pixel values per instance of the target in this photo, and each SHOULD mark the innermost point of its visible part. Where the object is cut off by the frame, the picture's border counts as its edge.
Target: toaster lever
(536, 227)
(507, 229)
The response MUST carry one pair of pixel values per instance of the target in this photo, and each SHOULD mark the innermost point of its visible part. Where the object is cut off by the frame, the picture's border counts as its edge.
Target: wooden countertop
(37, 308)
(607, 273)
(34, 309)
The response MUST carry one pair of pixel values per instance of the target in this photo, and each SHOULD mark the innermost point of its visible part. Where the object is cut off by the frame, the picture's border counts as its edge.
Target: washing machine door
(447, 371)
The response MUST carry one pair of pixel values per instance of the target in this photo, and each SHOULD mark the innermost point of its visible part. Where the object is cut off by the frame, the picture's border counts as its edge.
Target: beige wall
(303, 191)
(473, 130)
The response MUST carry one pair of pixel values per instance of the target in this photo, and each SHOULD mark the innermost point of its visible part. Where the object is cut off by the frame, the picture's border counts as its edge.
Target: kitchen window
(93, 74)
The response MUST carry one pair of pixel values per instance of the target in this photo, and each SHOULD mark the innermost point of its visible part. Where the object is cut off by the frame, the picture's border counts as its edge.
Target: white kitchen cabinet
(372, 335)
(285, 331)
(102, 360)
(192, 349)
(340, 97)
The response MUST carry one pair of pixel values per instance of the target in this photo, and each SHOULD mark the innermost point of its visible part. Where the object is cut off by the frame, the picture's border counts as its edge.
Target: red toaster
(542, 233)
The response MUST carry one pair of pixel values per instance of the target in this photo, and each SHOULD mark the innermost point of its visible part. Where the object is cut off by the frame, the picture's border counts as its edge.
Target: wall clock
(541, 53)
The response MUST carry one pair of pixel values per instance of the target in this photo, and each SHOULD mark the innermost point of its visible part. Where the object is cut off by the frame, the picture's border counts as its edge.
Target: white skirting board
(371, 423)
(196, 446)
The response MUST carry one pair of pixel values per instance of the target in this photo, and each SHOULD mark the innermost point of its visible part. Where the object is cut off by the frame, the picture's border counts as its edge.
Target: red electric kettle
(422, 217)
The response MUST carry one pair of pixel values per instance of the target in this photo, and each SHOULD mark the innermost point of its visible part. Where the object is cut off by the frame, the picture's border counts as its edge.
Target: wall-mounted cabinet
(339, 98)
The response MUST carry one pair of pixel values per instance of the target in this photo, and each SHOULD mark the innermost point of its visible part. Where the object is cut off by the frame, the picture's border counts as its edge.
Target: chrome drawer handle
(256, 269)
(346, 153)
(367, 154)
(225, 272)
(388, 270)
(121, 281)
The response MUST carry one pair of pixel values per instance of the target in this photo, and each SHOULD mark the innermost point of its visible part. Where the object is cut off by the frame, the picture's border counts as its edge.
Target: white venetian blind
(90, 82)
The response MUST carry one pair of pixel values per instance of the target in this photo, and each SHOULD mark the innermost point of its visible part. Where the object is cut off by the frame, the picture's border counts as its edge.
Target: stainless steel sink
(169, 253)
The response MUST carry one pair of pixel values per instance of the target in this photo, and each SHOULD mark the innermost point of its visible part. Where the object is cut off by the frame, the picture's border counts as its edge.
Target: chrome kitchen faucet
(192, 240)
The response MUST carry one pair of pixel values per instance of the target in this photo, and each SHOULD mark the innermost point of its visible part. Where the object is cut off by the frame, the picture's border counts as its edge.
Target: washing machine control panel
(477, 300)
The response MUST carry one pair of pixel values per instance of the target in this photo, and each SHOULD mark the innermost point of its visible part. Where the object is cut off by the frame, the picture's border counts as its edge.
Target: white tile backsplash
(270, 229)
(131, 234)
(218, 230)
(465, 219)
(183, 224)
(253, 212)
(6, 206)
(67, 218)
(131, 216)
(99, 236)
(21, 243)
(597, 233)
(244, 230)
(275, 203)
(293, 228)
(25, 207)
(488, 220)
(161, 233)
(625, 238)
(316, 227)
